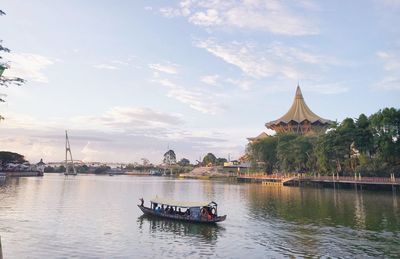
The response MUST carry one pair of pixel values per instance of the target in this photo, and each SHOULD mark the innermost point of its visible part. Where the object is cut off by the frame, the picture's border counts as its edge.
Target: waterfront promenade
(296, 179)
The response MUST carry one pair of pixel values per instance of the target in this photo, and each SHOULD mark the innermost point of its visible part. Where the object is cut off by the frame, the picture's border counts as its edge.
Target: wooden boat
(201, 212)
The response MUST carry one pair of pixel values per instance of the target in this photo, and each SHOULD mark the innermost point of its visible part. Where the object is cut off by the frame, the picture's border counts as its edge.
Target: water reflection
(205, 232)
(329, 207)
(97, 217)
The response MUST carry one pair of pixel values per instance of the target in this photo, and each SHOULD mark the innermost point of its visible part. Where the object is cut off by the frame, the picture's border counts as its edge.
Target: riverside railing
(333, 178)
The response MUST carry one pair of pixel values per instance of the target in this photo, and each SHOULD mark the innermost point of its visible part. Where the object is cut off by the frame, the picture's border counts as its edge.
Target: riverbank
(21, 173)
(205, 173)
(324, 181)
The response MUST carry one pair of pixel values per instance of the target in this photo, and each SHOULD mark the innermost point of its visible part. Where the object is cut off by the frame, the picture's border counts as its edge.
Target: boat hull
(150, 212)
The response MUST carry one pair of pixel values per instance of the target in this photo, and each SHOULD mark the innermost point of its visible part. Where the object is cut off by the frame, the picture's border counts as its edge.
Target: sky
(130, 79)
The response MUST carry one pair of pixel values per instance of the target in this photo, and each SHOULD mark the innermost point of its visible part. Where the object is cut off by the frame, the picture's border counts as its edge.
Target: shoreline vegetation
(368, 146)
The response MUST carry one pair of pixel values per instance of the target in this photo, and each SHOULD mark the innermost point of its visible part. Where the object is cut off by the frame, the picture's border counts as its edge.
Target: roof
(41, 162)
(186, 204)
(261, 136)
(299, 112)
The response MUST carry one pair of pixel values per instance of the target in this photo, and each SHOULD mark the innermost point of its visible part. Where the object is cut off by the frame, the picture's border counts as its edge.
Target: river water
(88, 216)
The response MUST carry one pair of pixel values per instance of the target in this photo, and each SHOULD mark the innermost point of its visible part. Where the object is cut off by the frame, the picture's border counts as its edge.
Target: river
(88, 216)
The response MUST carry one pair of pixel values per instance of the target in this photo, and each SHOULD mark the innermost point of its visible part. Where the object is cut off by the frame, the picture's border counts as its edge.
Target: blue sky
(130, 78)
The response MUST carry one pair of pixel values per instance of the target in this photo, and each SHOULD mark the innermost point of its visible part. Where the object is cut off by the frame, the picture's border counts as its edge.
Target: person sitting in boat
(187, 212)
(213, 212)
(203, 212)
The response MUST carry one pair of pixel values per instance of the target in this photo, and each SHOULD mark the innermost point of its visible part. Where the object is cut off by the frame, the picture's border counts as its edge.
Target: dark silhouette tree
(169, 157)
(210, 158)
(11, 157)
(6, 81)
(184, 162)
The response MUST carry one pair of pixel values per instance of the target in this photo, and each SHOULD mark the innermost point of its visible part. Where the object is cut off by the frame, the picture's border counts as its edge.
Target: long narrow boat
(204, 212)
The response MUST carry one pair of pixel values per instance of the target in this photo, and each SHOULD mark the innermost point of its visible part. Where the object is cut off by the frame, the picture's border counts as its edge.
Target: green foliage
(263, 152)
(184, 162)
(102, 169)
(169, 157)
(49, 169)
(11, 157)
(60, 169)
(6, 81)
(210, 158)
(220, 161)
(385, 126)
(83, 169)
(367, 145)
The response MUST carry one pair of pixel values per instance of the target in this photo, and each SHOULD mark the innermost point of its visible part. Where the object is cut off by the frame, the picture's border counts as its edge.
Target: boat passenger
(187, 212)
(141, 202)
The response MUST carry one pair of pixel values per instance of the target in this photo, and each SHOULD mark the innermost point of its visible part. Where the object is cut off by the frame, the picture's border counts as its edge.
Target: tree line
(366, 145)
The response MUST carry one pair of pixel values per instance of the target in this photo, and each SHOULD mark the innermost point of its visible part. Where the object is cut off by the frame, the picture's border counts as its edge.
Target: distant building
(299, 119)
(41, 165)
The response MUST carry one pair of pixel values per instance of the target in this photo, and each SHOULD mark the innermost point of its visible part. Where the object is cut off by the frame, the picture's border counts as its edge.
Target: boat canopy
(185, 204)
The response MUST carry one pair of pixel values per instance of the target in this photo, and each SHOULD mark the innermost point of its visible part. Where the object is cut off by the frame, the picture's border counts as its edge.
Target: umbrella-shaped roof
(299, 112)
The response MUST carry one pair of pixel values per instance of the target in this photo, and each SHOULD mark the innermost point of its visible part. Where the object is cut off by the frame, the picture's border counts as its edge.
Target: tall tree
(184, 162)
(6, 81)
(263, 152)
(169, 157)
(385, 125)
(363, 135)
(284, 152)
(220, 161)
(210, 158)
(11, 157)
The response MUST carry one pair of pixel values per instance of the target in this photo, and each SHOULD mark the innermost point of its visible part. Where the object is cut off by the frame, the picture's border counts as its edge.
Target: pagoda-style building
(299, 119)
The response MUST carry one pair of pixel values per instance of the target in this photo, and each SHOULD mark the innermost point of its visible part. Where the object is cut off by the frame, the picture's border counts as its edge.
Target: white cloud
(90, 153)
(91, 139)
(391, 68)
(165, 68)
(129, 119)
(197, 99)
(272, 16)
(28, 66)
(271, 60)
(245, 57)
(241, 83)
(170, 12)
(210, 79)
